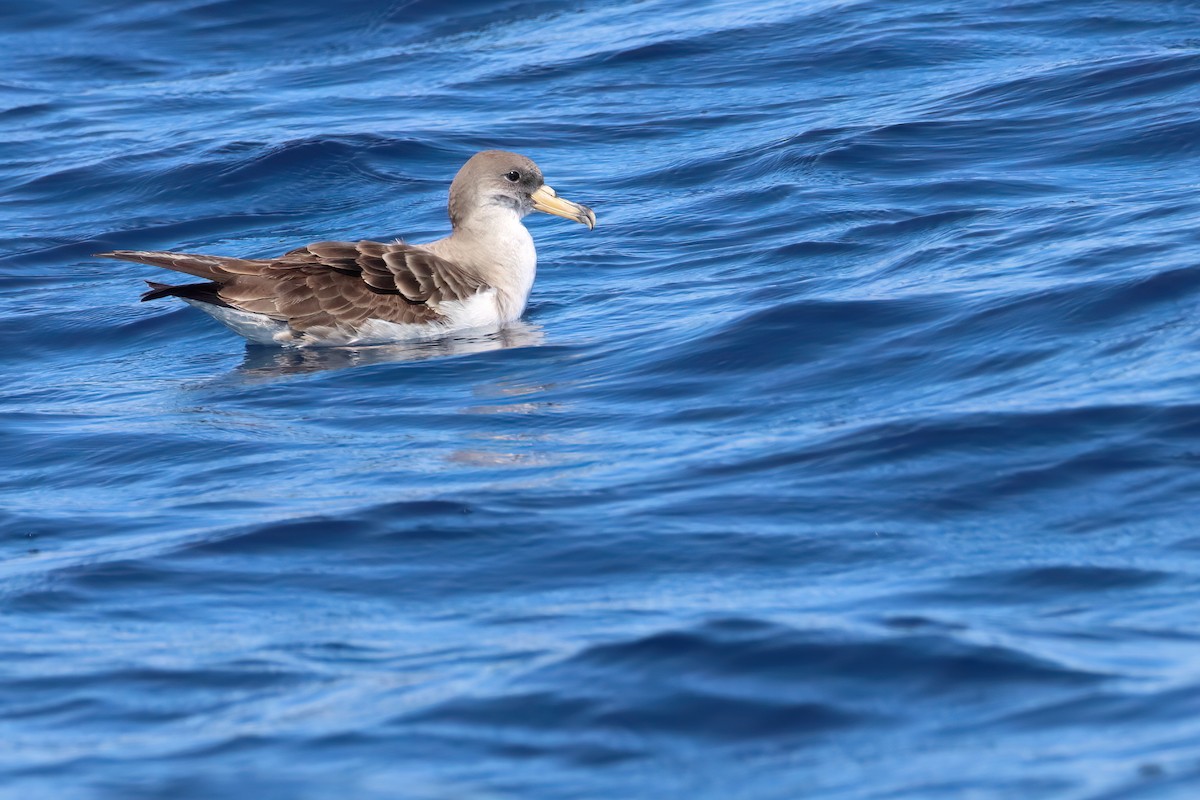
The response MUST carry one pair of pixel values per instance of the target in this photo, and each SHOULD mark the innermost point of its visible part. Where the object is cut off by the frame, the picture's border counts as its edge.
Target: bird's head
(508, 180)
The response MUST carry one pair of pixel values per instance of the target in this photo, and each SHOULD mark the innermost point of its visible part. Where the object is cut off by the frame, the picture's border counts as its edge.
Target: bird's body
(346, 293)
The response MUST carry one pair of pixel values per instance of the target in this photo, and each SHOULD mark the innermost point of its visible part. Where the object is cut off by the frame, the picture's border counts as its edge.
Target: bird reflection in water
(270, 362)
(489, 442)
(506, 447)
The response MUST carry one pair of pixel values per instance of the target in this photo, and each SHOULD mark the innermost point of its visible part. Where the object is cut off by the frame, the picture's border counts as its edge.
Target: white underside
(480, 311)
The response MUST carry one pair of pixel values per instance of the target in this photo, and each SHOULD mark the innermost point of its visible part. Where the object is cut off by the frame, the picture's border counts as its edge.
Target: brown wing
(216, 268)
(331, 284)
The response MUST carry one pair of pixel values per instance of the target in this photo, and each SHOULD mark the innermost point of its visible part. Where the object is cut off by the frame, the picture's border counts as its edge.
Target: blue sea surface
(855, 454)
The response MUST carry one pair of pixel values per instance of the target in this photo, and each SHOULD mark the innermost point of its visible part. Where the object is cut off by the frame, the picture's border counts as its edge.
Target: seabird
(347, 293)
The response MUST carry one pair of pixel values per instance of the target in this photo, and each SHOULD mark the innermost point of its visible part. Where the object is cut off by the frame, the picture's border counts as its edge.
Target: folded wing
(323, 285)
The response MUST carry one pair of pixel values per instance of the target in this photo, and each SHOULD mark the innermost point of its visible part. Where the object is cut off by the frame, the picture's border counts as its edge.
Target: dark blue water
(853, 455)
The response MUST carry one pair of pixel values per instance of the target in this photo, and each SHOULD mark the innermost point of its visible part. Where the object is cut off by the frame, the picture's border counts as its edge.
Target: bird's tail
(204, 292)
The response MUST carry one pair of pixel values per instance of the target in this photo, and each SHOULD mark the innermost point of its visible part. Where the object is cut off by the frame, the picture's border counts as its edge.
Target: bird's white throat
(495, 244)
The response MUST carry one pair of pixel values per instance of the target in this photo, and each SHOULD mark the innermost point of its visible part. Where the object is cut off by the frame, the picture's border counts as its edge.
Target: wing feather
(343, 284)
(328, 284)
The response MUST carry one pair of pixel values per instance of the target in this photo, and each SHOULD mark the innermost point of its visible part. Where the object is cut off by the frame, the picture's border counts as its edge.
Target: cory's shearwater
(345, 293)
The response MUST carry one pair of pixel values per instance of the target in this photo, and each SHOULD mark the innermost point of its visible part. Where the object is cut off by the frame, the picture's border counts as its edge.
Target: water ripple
(852, 455)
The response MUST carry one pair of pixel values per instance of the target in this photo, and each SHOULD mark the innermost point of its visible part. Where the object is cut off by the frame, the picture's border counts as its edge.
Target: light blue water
(853, 455)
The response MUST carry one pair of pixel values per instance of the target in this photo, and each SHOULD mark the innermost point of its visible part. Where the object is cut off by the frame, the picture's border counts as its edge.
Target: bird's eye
(513, 176)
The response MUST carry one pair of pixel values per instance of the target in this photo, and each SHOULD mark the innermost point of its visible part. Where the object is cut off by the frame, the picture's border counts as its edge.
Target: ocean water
(853, 455)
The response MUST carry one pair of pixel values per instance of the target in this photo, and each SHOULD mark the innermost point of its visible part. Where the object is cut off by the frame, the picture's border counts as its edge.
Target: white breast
(479, 311)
